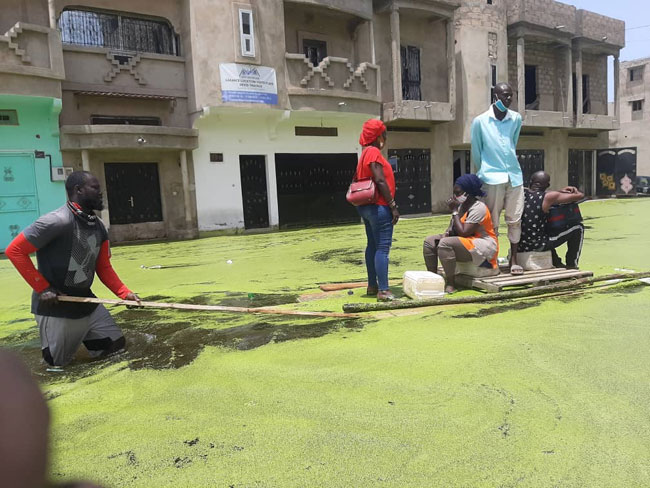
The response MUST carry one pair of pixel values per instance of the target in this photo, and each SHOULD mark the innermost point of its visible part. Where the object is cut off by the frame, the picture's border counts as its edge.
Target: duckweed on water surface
(530, 393)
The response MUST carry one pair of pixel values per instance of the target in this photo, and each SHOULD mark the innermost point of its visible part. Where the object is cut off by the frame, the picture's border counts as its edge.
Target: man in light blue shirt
(494, 141)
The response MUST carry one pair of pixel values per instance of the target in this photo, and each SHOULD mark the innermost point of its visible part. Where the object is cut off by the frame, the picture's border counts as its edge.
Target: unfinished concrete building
(634, 80)
(245, 114)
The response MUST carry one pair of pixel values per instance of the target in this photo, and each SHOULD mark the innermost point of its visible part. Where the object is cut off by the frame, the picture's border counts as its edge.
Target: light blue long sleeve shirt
(494, 143)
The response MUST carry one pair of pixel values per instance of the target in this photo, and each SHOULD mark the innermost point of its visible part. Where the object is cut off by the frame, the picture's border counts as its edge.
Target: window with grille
(411, 73)
(118, 31)
(246, 33)
(8, 117)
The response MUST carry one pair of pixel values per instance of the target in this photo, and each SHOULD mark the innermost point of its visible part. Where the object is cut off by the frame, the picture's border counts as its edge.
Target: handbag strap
(356, 172)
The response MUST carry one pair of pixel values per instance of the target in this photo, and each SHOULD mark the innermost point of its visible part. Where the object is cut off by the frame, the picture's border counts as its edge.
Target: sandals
(371, 291)
(516, 270)
(385, 296)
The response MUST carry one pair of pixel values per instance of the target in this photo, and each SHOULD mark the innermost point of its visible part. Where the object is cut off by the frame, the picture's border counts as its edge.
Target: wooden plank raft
(495, 284)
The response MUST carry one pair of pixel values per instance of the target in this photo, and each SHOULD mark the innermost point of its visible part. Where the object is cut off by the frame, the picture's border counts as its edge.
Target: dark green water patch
(181, 342)
(243, 299)
(624, 288)
(484, 312)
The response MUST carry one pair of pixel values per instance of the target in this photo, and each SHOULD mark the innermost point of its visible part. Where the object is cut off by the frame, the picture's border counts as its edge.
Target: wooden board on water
(494, 284)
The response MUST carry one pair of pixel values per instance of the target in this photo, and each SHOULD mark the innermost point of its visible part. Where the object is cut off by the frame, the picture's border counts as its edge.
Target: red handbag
(362, 192)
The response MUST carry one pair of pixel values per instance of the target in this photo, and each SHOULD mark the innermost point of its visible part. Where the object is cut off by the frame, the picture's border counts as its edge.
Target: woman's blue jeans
(378, 220)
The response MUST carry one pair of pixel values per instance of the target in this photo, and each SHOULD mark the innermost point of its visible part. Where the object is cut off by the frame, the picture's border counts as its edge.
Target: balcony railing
(333, 77)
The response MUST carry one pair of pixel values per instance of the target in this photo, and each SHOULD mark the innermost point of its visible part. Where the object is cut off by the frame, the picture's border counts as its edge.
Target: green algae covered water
(530, 393)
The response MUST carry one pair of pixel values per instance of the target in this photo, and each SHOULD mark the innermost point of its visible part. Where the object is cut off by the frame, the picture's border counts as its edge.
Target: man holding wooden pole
(71, 245)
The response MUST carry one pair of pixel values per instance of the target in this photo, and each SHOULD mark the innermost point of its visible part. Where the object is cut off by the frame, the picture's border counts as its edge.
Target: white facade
(234, 132)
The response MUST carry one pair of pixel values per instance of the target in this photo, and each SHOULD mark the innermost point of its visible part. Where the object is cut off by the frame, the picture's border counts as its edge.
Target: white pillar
(395, 51)
(187, 200)
(52, 13)
(371, 34)
(451, 62)
(579, 99)
(617, 88)
(85, 160)
(521, 77)
(569, 80)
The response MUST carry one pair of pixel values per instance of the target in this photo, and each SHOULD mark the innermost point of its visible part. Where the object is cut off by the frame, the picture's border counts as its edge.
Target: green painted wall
(25, 187)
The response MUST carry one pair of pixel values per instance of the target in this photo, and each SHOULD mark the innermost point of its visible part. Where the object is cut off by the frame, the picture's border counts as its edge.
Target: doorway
(581, 170)
(412, 171)
(133, 191)
(311, 188)
(18, 198)
(462, 164)
(531, 161)
(252, 171)
(616, 171)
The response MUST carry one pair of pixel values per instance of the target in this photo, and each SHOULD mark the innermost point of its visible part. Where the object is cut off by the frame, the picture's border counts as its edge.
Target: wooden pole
(350, 285)
(205, 308)
(490, 297)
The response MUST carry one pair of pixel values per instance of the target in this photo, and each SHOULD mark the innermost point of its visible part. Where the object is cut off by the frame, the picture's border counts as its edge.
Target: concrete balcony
(546, 14)
(103, 70)
(31, 61)
(334, 85)
(605, 34)
(141, 137)
(597, 122)
(417, 110)
(545, 118)
(359, 8)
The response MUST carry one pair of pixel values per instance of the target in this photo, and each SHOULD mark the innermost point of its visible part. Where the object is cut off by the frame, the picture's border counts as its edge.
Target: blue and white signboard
(248, 83)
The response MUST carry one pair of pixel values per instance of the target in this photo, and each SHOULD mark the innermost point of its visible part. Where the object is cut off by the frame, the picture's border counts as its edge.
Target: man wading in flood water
(71, 245)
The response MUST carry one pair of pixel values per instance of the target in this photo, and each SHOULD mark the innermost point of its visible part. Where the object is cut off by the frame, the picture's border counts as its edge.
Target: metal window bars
(118, 32)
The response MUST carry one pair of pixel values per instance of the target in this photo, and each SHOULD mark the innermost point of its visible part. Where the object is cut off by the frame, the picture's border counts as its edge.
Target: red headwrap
(372, 129)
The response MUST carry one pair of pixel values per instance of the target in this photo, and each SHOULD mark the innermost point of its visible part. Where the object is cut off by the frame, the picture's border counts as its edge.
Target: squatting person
(380, 217)
(71, 245)
(494, 135)
(535, 235)
(470, 236)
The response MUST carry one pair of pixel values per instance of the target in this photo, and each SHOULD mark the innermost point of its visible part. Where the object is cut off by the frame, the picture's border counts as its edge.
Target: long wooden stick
(350, 285)
(491, 297)
(206, 308)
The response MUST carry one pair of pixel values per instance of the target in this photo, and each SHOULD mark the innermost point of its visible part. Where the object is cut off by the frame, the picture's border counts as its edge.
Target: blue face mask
(500, 106)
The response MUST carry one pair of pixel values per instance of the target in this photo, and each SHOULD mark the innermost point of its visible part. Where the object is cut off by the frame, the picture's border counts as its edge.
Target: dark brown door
(412, 168)
(531, 161)
(253, 191)
(133, 191)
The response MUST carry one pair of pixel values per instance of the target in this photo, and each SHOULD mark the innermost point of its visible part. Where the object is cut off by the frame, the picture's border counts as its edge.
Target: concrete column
(395, 51)
(579, 100)
(617, 88)
(187, 200)
(521, 77)
(371, 35)
(85, 160)
(52, 13)
(569, 80)
(451, 63)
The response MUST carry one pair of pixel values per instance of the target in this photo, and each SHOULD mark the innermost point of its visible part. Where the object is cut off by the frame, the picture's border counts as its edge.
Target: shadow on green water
(165, 339)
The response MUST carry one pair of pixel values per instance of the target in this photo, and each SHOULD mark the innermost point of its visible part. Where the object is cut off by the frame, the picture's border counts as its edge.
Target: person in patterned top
(534, 233)
(71, 245)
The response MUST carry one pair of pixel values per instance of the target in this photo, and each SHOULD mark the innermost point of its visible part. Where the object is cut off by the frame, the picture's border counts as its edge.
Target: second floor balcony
(30, 61)
(329, 59)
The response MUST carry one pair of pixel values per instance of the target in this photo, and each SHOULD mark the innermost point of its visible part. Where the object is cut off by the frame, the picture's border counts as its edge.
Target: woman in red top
(380, 217)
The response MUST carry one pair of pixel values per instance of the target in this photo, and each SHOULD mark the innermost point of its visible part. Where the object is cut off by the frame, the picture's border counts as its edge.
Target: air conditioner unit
(61, 173)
